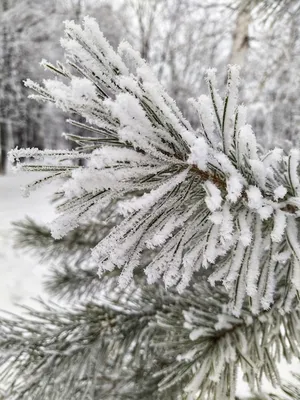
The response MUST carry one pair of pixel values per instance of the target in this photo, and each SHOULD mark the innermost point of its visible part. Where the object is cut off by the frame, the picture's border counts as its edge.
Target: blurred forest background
(179, 38)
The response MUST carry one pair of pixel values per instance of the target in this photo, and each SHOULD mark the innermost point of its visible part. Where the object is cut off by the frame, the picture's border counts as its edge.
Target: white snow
(247, 142)
(21, 274)
(255, 199)
(259, 172)
(204, 108)
(280, 192)
(245, 231)
(199, 153)
(279, 226)
(234, 188)
(232, 98)
(213, 199)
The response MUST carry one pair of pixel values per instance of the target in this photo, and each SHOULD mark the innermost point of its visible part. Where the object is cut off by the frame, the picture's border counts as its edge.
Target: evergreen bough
(205, 212)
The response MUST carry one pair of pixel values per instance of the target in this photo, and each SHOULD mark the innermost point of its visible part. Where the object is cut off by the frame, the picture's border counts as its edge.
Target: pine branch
(198, 202)
(52, 351)
(56, 350)
(71, 276)
(81, 353)
(36, 238)
(208, 198)
(69, 283)
(292, 390)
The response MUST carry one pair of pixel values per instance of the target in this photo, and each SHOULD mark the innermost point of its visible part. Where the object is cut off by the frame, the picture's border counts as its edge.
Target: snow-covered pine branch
(206, 198)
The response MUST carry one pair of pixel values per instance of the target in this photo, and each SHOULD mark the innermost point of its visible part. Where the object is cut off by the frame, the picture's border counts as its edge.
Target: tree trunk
(240, 43)
(3, 104)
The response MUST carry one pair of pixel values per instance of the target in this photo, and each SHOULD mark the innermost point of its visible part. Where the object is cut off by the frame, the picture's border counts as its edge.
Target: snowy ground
(20, 274)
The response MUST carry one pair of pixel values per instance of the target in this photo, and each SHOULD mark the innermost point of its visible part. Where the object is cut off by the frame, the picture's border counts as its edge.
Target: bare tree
(145, 13)
(240, 43)
(4, 87)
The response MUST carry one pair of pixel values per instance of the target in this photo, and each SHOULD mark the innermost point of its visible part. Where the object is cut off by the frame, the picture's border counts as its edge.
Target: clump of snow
(213, 199)
(234, 188)
(279, 192)
(199, 153)
(255, 199)
(279, 226)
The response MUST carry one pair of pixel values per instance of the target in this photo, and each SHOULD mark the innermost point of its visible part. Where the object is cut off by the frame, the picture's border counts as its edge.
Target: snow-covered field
(20, 274)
